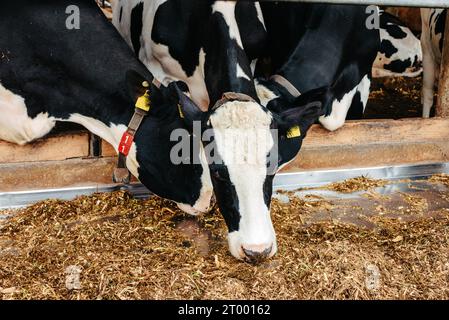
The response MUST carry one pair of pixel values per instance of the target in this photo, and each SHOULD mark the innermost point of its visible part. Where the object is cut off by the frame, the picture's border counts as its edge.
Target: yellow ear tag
(294, 132)
(181, 114)
(143, 102)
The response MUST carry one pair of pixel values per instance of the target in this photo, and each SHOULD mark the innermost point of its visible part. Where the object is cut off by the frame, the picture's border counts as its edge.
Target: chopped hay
(356, 184)
(394, 98)
(440, 178)
(417, 205)
(111, 246)
(398, 86)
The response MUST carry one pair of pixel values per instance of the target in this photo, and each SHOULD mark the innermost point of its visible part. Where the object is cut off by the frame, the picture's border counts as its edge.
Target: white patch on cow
(238, 121)
(203, 203)
(112, 134)
(15, 124)
(265, 95)
(260, 14)
(340, 107)
(166, 69)
(227, 9)
(364, 89)
(253, 66)
(241, 73)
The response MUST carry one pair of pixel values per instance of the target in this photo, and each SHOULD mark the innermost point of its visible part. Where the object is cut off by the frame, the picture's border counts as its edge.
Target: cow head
(245, 144)
(188, 184)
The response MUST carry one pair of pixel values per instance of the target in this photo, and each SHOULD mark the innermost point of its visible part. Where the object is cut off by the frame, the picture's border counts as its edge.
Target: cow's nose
(256, 253)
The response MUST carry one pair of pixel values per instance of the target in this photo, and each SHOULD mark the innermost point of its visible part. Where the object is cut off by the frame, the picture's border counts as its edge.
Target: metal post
(442, 108)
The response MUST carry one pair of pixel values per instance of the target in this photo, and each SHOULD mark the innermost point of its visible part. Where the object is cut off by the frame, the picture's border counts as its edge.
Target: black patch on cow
(288, 148)
(387, 48)
(356, 109)
(431, 17)
(136, 26)
(440, 24)
(252, 31)
(395, 31)
(417, 63)
(385, 18)
(223, 54)
(227, 198)
(121, 14)
(268, 190)
(181, 25)
(334, 60)
(398, 66)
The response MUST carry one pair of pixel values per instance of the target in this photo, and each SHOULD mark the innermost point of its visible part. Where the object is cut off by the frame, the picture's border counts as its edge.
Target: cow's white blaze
(341, 107)
(238, 122)
(15, 124)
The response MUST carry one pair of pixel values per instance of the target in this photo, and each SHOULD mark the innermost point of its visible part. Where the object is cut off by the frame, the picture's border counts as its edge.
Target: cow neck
(143, 104)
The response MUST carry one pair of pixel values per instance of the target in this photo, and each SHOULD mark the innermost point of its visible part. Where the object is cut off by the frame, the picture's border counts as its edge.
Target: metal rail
(282, 181)
(393, 3)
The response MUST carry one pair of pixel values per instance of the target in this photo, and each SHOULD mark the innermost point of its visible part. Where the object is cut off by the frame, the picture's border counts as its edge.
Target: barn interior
(366, 216)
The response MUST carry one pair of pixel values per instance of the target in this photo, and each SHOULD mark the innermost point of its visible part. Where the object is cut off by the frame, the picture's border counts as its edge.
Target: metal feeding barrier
(282, 181)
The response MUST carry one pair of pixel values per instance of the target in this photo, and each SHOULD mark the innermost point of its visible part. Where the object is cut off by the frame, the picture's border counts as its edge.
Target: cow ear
(137, 84)
(295, 122)
(189, 110)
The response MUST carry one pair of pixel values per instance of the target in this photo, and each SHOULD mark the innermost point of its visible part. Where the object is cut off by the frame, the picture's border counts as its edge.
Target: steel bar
(283, 181)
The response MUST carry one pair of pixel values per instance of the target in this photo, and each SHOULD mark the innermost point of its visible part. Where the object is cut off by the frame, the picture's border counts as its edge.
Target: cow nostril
(253, 255)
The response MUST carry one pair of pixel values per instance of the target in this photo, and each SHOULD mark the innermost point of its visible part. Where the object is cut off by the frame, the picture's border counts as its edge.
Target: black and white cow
(49, 73)
(400, 51)
(433, 24)
(317, 45)
(212, 46)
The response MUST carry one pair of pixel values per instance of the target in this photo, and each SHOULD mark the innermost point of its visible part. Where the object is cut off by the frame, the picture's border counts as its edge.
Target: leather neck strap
(286, 84)
(232, 96)
(121, 173)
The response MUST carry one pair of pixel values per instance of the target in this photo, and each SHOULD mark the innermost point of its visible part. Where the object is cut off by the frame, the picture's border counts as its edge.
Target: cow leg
(16, 125)
(356, 98)
(429, 68)
(429, 65)
(360, 100)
